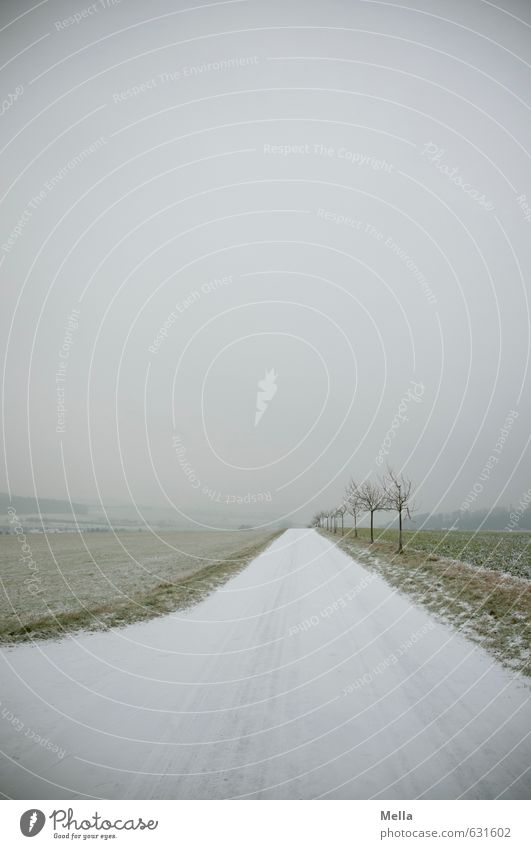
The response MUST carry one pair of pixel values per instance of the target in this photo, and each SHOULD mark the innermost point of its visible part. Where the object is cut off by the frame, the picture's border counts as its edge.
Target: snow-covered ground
(305, 676)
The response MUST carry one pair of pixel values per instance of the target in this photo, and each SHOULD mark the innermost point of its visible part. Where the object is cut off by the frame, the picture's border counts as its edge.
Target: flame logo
(267, 389)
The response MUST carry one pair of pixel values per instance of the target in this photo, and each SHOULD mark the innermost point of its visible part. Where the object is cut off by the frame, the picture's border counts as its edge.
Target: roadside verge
(489, 607)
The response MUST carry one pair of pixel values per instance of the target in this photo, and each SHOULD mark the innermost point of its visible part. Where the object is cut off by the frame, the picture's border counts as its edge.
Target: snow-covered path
(305, 676)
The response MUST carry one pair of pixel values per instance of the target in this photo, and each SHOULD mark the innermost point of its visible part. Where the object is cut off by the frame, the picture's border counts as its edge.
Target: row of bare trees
(392, 492)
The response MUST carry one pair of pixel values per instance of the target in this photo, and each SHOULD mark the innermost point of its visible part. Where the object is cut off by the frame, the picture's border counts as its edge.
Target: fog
(318, 212)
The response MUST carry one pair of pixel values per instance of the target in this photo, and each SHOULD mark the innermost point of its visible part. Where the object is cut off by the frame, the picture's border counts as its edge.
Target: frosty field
(498, 550)
(72, 580)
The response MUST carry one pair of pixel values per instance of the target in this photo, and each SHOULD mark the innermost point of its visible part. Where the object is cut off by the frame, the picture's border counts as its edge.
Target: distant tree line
(392, 492)
(27, 504)
(497, 519)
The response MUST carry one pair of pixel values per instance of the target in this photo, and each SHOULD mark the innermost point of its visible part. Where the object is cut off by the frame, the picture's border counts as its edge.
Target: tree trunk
(355, 526)
(399, 531)
(342, 524)
(372, 531)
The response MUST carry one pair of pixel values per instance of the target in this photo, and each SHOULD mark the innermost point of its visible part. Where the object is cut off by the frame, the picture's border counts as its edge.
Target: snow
(238, 697)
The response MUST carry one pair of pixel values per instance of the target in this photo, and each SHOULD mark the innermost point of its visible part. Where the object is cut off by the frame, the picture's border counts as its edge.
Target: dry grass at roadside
(175, 593)
(490, 607)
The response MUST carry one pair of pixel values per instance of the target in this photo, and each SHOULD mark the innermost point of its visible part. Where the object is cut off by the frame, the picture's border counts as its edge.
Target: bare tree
(353, 503)
(372, 498)
(398, 492)
(341, 512)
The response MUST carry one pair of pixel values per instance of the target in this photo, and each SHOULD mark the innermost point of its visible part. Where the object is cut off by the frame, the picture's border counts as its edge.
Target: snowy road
(305, 676)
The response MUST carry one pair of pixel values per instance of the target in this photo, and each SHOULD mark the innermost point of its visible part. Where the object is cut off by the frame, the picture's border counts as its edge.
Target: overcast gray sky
(331, 198)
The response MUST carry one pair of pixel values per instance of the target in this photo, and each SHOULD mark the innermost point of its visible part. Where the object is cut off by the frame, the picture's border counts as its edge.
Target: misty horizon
(239, 270)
